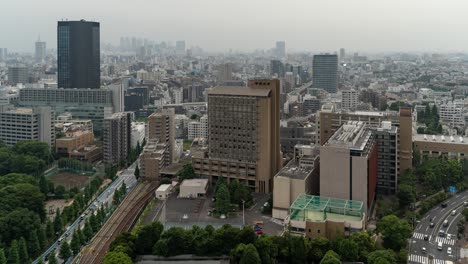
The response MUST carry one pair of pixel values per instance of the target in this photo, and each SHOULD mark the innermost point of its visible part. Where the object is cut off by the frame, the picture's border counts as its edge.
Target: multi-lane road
(106, 197)
(424, 244)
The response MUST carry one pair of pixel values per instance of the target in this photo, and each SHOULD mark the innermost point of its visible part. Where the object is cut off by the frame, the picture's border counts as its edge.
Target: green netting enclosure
(319, 208)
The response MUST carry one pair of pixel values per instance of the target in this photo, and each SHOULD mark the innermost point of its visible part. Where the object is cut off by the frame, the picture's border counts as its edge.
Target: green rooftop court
(319, 208)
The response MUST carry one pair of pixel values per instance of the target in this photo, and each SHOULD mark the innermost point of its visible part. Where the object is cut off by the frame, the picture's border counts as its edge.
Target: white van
(439, 246)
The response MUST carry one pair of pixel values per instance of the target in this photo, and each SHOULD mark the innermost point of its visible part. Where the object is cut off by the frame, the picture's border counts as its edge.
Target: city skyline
(361, 25)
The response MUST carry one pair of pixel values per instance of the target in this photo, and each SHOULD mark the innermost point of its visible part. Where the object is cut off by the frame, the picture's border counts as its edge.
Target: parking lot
(185, 213)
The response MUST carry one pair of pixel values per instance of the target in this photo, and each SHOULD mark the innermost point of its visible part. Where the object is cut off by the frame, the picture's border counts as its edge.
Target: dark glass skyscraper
(78, 54)
(325, 72)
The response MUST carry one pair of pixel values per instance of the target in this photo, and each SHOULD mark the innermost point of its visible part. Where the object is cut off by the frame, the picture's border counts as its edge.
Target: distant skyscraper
(281, 49)
(349, 99)
(342, 54)
(40, 51)
(180, 47)
(18, 74)
(325, 72)
(3, 54)
(224, 72)
(78, 54)
(117, 137)
(277, 67)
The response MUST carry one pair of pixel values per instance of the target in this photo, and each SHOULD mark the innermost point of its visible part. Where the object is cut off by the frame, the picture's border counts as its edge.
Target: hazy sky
(311, 25)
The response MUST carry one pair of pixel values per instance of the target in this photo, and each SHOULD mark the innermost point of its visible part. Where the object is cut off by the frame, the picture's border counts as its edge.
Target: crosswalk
(418, 235)
(445, 241)
(423, 259)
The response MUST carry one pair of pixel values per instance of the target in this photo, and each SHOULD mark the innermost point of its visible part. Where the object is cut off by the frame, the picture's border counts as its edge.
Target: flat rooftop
(194, 182)
(294, 171)
(320, 208)
(353, 134)
(441, 139)
(20, 110)
(239, 91)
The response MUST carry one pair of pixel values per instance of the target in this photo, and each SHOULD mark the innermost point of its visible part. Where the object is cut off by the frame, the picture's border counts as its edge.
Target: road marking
(419, 236)
(418, 259)
(445, 241)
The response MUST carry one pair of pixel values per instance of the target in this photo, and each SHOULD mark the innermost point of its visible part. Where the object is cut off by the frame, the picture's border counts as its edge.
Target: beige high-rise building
(153, 159)
(161, 127)
(243, 135)
(117, 137)
(406, 140)
(224, 72)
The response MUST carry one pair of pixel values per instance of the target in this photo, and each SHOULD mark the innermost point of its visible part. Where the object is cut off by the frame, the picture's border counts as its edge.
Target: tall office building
(277, 67)
(243, 135)
(117, 137)
(224, 73)
(3, 54)
(17, 124)
(325, 72)
(353, 148)
(342, 54)
(18, 74)
(386, 137)
(40, 51)
(161, 127)
(280, 49)
(349, 99)
(180, 47)
(78, 54)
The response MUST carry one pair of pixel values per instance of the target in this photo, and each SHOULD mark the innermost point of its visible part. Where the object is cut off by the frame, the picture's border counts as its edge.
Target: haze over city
(219, 25)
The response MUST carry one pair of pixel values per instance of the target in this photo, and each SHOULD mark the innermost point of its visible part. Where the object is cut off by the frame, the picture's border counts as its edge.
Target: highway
(106, 197)
(437, 216)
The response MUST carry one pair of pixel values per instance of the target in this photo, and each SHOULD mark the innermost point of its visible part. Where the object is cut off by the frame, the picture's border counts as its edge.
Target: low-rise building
(73, 140)
(198, 129)
(300, 175)
(319, 216)
(193, 188)
(153, 158)
(163, 191)
(430, 146)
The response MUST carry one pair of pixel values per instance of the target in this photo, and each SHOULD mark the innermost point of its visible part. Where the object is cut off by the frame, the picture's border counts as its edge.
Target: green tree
(13, 256)
(65, 251)
(137, 172)
(93, 222)
(223, 201)
(58, 223)
(50, 230)
(53, 258)
(348, 249)
(382, 257)
(117, 258)
(3, 259)
(60, 191)
(18, 223)
(75, 243)
(267, 249)
(22, 195)
(34, 148)
(330, 258)
(406, 195)
(42, 238)
(43, 185)
(88, 231)
(250, 255)
(34, 245)
(23, 250)
(318, 248)
(395, 231)
(147, 237)
(365, 244)
(187, 172)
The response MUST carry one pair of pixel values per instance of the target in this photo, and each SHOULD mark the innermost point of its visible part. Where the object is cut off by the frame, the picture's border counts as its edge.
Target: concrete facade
(193, 188)
(243, 140)
(117, 134)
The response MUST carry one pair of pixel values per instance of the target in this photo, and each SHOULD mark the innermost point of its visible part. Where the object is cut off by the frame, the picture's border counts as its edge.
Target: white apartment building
(17, 124)
(452, 114)
(349, 99)
(198, 129)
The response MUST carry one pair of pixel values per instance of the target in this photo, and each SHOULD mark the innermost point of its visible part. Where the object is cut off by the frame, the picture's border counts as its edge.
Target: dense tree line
(29, 157)
(187, 172)
(244, 246)
(73, 164)
(430, 117)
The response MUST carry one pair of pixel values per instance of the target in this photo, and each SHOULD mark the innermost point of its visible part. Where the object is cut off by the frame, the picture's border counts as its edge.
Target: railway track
(121, 220)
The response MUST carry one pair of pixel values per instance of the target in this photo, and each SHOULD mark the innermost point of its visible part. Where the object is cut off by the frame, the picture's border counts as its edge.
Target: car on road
(449, 250)
(423, 250)
(441, 233)
(426, 237)
(60, 240)
(465, 203)
(449, 236)
(443, 205)
(431, 224)
(439, 246)
(445, 224)
(454, 212)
